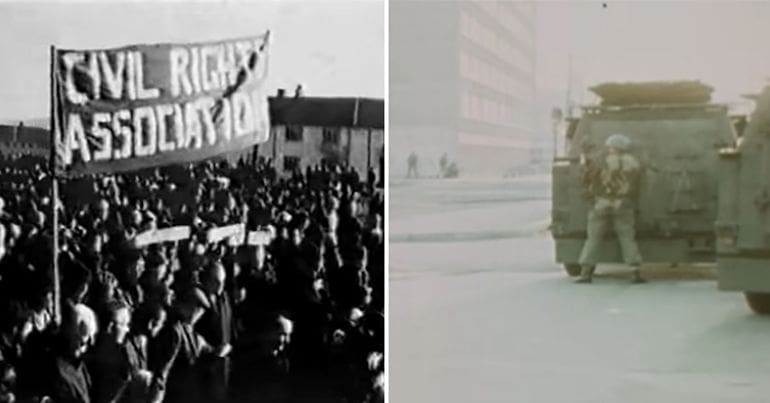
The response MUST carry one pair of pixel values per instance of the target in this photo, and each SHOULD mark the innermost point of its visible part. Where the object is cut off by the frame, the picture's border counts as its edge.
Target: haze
(718, 43)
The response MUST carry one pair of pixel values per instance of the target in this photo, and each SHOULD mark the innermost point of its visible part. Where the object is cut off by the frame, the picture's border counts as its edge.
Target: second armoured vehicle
(743, 220)
(676, 133)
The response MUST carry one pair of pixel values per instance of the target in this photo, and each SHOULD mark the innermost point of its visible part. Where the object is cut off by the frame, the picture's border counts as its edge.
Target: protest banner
(142, 106)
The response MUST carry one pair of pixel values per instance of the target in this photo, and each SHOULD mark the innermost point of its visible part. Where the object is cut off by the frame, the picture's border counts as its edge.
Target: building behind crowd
(462, 82)
(305, 131)
(309, 131)
(19, 140)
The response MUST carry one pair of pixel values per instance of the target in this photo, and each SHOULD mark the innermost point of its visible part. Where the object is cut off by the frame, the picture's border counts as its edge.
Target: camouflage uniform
(613, 187)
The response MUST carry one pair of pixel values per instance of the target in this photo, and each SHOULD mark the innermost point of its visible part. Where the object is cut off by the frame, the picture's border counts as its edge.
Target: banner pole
(54, 189)
(353, 127)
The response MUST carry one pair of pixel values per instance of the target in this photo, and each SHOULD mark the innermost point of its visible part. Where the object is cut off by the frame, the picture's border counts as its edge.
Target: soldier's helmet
(619, 142)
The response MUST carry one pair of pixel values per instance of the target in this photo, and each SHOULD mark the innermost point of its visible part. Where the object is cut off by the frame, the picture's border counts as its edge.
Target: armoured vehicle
(676, 134)
(743, 219)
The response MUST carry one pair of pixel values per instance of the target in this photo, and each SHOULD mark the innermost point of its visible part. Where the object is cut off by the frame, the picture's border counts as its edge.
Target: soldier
(613, 187)
(412, 166)
(443, 162)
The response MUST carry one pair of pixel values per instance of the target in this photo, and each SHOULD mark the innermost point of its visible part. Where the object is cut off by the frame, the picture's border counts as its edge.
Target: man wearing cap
(179, 349)
(613, 187)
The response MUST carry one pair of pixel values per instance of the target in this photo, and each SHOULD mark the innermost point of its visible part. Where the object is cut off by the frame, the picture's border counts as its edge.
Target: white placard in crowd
(260, 238)
(162, 235)
(236, 234)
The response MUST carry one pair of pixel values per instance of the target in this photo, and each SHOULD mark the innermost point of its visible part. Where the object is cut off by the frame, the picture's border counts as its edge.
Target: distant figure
(442, 163)
(412, 166)
(613, 186)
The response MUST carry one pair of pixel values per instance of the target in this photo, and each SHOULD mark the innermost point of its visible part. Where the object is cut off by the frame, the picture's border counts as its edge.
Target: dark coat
(67, 381)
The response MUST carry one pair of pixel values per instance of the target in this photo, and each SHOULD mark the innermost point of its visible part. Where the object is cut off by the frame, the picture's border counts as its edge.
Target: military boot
(636, 275)
(586, 273)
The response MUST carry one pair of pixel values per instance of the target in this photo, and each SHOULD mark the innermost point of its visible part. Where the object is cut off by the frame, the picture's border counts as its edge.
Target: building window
(290, 163)
(474, 107)
(464, 65)
(465, 105)
(293, 133)
(331, 136)
(464, 24)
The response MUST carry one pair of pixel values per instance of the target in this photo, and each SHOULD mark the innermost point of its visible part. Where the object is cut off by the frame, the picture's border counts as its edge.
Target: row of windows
(478, 33)
(295, 134)
(513, 15)
(510, 140)
(484, 109)
(481, 72)
(478, 108)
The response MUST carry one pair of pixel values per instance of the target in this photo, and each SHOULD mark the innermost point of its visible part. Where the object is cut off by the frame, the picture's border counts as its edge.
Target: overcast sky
(720, 43)
(334, 48)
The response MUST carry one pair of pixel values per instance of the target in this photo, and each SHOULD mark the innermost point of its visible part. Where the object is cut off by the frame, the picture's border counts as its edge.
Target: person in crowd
(7, 383)
(65, 378)
(133, 267)
(108, 362)
(155, 279)
(182, 351)
(319, 259)
(216, 326)
(11, 332)
(272, 377)
(147, 321)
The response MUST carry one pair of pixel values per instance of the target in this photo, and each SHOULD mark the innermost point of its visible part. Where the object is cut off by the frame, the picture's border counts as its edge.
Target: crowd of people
(296, 318)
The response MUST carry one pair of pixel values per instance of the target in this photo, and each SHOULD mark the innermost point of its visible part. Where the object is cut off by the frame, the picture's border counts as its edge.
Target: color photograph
(578, 201)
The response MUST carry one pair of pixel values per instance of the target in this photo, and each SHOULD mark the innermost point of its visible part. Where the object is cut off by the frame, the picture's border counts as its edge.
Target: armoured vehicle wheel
(572, 269)
(759, 302)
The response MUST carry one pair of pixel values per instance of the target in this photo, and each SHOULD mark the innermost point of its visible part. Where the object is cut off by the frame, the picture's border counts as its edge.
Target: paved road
(491, 318)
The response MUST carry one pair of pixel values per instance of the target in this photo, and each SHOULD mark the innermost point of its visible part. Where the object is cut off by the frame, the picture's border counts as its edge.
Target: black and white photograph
(192, 201)
(578, 201)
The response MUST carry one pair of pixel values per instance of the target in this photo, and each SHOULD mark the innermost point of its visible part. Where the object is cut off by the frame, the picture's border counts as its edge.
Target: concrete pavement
(496, 320)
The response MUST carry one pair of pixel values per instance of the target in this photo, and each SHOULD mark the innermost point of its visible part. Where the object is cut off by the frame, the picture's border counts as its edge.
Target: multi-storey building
(462, 83)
